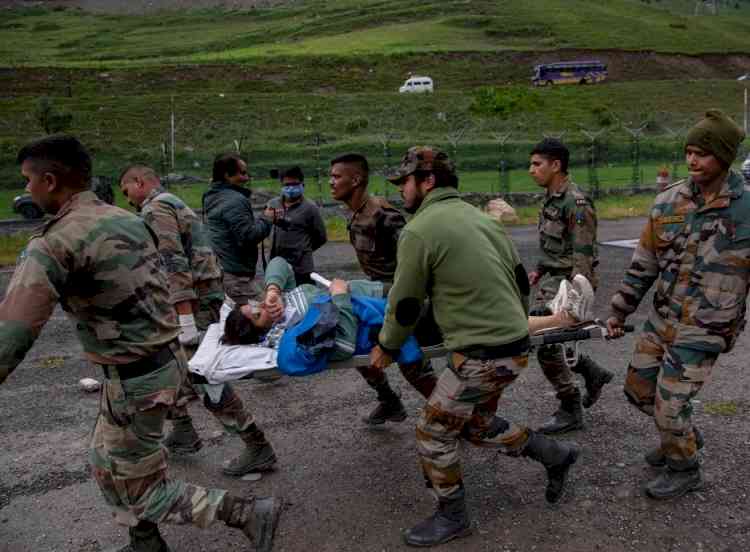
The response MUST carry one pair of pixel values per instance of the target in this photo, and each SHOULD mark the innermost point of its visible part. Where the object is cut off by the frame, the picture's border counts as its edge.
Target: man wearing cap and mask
(298, 227)
(695, 247)
(471, 272)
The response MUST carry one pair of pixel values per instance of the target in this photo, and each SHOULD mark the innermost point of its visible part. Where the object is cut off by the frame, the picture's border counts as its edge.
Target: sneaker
(576, 298)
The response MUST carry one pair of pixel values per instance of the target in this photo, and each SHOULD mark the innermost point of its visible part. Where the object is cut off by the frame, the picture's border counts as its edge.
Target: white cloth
(220, 363)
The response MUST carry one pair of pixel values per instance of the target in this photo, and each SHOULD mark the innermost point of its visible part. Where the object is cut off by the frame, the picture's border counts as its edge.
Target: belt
(559, 271)
(140, 367)
(508, 350)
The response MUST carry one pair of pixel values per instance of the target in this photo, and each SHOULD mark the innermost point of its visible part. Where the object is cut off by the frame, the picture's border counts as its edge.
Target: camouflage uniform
(699, 256)
(374, 229)
(567, 238)
(101, 264)
(194, 275)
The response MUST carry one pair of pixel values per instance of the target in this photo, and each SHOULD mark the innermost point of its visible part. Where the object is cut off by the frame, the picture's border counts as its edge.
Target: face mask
(292, 191)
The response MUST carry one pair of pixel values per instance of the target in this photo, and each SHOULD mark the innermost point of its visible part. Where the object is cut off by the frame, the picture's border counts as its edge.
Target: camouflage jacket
(374, 229)
(192, 267)
(567, 234)
(101, 264)
(698, 254)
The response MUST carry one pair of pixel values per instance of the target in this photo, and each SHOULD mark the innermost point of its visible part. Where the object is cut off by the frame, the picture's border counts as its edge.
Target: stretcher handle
(581, 334)
(318, 279)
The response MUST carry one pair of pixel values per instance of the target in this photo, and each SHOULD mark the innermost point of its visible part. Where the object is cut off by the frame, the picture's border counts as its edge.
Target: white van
(416, 84)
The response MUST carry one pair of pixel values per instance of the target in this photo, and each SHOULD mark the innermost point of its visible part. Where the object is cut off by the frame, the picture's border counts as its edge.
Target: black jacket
(234, 230)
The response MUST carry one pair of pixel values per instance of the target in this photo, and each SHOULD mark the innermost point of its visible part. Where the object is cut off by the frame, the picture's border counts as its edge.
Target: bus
(569, 72)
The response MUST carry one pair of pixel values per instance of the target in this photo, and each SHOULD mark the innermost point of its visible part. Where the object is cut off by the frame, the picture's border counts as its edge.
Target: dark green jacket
(234, 231)
(464, 261)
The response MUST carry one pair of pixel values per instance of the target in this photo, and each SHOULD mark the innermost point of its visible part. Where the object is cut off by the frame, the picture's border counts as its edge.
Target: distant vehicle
(25, 206)
(569, 72)
(746, 169)
(416, 84)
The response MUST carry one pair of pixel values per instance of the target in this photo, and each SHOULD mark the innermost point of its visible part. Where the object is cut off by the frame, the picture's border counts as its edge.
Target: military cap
(422, 158)
(718, 134)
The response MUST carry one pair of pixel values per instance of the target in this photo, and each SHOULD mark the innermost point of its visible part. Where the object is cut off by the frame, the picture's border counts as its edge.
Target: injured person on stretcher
(300, 329)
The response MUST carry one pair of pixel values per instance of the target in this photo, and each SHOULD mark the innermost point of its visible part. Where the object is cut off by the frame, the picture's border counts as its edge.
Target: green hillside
(314, 78)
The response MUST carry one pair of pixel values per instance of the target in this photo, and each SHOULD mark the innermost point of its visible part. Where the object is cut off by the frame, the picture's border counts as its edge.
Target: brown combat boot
(258, 455)
(257, 518)
(183, 439)
(144, 537)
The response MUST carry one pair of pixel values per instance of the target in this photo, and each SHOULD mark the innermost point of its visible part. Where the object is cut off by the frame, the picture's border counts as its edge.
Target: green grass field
(43, 37)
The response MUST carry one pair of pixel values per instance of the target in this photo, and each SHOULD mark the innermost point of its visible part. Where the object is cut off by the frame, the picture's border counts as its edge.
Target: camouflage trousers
(662, 379)
(128, 460)
(220, 399)
(463, 406)
(551, 356)
(241, 289)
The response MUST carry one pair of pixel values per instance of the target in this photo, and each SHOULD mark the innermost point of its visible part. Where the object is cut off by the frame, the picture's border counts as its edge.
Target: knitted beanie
(718, 134)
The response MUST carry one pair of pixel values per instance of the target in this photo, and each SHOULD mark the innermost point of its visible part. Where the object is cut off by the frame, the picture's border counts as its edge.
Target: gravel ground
(348, 488)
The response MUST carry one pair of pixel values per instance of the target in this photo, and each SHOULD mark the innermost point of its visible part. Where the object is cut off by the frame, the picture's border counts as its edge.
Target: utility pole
(171, 134)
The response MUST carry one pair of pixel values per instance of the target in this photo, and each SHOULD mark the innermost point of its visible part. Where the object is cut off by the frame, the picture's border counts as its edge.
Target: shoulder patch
(670, 219)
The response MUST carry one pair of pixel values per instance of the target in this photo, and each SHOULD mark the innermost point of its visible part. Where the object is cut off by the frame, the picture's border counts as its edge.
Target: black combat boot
(678, 479)
(258, 455)
(595, 377)
(556, 457)
(389, 409)
(256, 517)
(450, 521)
(656, 457)
(183, 439)
(145, 537)
(568, 417)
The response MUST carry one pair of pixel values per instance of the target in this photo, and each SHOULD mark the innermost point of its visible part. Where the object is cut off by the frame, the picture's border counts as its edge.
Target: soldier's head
(711, 146)
(350, 174)
(422, 169)
(56, 168)
(230, 168)
(137, 182)
(548, 164)
(292, 182)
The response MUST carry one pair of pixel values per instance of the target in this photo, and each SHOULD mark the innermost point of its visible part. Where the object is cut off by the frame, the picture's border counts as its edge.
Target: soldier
(233, 229)
(567, 238)
(196, 292)
(101, 264)
(374, 228)
(696, 247)
(487, 352)
(299, 229)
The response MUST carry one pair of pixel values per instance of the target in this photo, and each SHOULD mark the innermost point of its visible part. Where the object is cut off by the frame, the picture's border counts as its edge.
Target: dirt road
(350, 489)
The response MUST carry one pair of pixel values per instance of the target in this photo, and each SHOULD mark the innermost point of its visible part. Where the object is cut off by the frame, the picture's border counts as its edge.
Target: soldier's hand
(338, 286)
(379, 359)
(615, 327)
(189, 331)
(534, 278)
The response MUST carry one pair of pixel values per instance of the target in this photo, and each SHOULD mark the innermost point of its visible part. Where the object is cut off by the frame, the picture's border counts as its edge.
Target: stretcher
(584, 331)
(219, 363)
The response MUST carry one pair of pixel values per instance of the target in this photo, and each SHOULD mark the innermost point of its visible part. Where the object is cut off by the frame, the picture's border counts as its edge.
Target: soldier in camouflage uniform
(696, 248)
(102, 265)
(487, 352)
(567, 239)
(196, 292)
(374, 228)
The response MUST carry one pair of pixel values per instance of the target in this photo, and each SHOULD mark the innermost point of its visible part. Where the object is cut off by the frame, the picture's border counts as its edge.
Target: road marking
(629, 244)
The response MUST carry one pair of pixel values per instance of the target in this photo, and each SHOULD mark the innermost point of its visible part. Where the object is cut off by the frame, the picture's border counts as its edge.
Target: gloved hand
(189, 334)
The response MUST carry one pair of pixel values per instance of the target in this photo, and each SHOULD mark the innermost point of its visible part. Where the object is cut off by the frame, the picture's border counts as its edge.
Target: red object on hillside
(662, 178)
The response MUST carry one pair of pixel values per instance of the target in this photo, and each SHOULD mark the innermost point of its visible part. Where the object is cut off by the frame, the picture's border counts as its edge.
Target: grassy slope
(342, 27)
(287, 53)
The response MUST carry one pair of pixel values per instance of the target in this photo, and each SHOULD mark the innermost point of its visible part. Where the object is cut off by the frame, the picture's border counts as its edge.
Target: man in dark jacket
(299, 228)
(234, 231)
